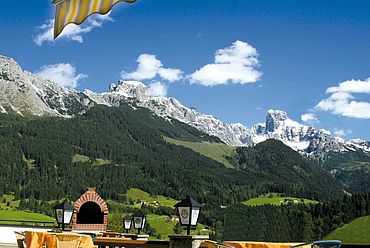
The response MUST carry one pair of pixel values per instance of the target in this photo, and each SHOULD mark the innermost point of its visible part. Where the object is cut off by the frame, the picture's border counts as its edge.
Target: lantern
(64, 213)
(139, 220)
(188, 211)
(127, 222)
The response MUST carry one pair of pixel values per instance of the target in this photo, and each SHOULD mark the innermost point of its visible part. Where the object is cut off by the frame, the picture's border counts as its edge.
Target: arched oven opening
(90, 213)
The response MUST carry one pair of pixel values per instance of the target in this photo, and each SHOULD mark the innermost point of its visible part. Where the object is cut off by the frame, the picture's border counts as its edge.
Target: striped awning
(76, 11)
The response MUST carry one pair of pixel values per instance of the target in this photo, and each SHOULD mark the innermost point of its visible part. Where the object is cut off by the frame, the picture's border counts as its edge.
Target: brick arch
(90, 196)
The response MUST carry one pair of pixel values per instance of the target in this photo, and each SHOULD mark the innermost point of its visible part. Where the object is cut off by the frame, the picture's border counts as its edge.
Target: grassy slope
(138, 194)
(10, 215)
(165, 227)
(15, 217)
(78, 158)
(274, 199)
(356, 232)
(160, 223)
(216, 151)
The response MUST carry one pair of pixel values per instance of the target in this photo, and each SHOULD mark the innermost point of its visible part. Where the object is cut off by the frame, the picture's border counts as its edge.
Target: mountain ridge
(26, 93)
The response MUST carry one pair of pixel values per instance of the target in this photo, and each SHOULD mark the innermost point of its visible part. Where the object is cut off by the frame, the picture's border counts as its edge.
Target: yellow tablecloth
(41, 239)
(241, 244)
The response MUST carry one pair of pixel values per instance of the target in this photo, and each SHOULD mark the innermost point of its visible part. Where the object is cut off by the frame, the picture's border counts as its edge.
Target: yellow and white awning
(76, 11)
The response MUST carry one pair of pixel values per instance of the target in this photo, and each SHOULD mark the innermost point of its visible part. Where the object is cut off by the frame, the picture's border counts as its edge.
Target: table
(242, 244)
(129, 243)
(51, 240)
(111, 234)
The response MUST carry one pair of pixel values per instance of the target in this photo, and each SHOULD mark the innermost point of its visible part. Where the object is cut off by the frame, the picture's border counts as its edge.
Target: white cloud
(150, 67)
(341, 132)
(309, 118)
(235, 64)
(343, 102)
(351, 86)
(169, 74)
(157, 89)
(63, 74)
(71, 32)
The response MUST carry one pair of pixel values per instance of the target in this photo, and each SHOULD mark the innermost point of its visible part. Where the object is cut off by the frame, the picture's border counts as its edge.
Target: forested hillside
(352, 169)
(115, 149)
(301, 222)
(296, 176)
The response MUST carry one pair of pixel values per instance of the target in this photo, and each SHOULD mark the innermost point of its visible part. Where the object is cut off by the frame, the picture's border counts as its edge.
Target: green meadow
(161, 223)
(165, 226)
(137, 194)
(10, 215)
(276, 200)
(215, 151)
(19, 217)
(356, 232)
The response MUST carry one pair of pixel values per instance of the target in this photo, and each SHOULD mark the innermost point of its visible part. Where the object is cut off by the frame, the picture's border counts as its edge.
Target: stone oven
(91, 212)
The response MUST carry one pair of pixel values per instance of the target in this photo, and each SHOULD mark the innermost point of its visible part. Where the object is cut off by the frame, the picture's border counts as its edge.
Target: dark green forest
(301, 222)
(296, 176)
(36, 160)
(36, 164)
(353, 169)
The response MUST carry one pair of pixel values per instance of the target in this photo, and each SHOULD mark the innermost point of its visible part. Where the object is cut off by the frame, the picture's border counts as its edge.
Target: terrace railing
(26, 223)
(128, 243)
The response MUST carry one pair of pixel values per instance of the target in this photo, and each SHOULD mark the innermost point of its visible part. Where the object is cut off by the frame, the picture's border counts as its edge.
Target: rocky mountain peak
(130, 89)
(278, 115)
(275, 119)
(6, 62)
(10, 70)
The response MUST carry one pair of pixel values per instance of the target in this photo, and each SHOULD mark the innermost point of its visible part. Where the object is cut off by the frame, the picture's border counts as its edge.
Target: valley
(147, 153)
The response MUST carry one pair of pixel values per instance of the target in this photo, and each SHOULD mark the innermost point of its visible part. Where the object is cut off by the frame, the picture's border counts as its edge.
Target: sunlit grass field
(276, 200)
(216, 151)
(137, 194)
(356, 232)
(8, 217)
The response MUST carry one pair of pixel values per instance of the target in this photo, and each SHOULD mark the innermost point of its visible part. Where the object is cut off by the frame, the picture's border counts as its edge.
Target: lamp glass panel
(59, 215)
(68, 216)
(127, 223)
(184, 213)
(143, 223)
(194, 216)
(138, 222)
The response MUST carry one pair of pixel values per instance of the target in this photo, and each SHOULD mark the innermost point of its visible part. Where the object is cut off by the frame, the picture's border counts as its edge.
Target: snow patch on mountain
(2, 110)
(132, 91)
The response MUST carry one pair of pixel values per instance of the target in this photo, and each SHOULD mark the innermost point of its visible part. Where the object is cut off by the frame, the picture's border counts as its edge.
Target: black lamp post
(188, 211)
(64, 213)
(127, 222)
(138, 219)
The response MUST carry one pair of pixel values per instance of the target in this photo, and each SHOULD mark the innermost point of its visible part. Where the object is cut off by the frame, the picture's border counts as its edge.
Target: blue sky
(304, 51)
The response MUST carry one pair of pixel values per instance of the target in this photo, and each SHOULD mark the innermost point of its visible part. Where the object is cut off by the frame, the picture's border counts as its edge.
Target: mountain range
(27, 94)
